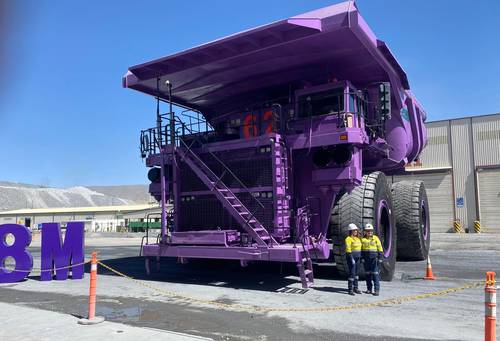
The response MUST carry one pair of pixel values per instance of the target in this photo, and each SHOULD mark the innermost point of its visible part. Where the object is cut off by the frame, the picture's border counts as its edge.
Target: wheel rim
(425, 221)
(384, 227)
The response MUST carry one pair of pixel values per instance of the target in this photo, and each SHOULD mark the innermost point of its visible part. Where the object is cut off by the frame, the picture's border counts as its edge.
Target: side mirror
(384, 100)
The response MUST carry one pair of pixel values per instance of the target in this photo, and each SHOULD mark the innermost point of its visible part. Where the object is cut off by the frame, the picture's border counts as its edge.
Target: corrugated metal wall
(486, 140)
(463, 171)
(437, 152)
(489, 199)
(466, 145)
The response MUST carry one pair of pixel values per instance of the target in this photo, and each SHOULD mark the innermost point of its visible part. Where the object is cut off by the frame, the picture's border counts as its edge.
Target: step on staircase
(305, 268)
(228, 199)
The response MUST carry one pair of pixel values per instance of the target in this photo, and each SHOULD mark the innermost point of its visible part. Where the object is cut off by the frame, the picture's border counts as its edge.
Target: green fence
(140, 226)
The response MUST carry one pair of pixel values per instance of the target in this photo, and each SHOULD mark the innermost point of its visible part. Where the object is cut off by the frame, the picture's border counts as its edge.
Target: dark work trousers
(372, 273)
(353, 260)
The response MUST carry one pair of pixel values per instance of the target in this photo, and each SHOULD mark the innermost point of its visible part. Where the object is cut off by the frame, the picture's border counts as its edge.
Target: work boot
(357, 291)
(351, 292)
(376, 293)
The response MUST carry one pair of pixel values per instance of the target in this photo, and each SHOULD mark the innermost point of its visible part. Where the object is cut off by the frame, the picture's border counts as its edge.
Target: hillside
(17, 195)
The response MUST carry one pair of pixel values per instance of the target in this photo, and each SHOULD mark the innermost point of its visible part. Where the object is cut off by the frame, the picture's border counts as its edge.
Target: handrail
(252, 213)
(179, 133)
(226, 168)
(237, 179)
(147, 224)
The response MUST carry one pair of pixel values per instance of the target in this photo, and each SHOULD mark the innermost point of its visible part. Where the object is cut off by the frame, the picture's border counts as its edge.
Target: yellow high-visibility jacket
(352, 244)
(371, 244)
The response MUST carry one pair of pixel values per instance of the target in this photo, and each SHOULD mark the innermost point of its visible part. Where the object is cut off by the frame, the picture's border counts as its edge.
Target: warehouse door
(440, 195)
(489, 199)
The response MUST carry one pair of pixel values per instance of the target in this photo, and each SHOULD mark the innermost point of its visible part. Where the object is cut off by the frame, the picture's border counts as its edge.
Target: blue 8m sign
(58, 256)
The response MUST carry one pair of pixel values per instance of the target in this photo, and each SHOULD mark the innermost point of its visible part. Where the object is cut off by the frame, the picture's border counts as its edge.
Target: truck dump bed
(262, 62)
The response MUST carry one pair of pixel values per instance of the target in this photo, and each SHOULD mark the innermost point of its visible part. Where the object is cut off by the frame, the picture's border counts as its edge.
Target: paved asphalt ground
(456, 259)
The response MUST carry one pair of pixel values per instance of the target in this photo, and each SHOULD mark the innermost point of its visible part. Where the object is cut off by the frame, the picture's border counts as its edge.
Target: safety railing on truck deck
(189, 133)
(350, 109)
(149, 217)
(152, 140)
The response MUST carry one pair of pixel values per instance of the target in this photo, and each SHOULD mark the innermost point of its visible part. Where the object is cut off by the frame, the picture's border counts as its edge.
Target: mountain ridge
(21, 195)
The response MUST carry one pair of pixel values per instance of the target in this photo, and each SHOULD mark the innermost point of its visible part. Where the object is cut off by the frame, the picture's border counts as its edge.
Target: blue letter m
(57, 254)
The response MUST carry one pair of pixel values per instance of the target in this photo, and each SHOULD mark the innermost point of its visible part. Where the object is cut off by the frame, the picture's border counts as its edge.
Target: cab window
(322, 103)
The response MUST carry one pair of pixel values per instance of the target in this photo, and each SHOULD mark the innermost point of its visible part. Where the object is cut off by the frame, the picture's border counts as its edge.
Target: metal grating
(203, 212)
(251, 166)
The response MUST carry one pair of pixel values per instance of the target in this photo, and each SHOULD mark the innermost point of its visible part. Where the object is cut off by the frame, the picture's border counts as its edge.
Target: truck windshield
(322, 103)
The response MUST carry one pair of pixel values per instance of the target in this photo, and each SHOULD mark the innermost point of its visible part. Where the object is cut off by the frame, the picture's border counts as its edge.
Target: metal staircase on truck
(228, 199)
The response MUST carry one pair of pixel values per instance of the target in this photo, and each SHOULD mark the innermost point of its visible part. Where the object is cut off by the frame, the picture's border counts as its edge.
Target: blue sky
(65, 120)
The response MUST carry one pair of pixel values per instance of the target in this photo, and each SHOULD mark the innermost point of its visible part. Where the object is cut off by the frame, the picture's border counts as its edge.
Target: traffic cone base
(428, 273)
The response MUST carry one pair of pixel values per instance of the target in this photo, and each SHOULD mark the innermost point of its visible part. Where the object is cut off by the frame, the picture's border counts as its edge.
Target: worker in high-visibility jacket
(353, 255)
(372, 255)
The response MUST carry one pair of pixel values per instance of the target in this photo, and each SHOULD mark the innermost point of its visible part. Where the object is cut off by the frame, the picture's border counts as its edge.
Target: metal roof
(91, 209)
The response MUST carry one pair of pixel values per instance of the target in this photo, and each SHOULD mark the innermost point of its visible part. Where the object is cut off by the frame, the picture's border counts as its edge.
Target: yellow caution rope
(251, 308)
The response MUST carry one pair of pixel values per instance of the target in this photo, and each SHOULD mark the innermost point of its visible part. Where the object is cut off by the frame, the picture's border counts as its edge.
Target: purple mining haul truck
(282, 135)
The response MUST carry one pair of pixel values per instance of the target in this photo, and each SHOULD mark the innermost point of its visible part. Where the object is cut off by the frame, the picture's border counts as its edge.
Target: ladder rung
(307, 272)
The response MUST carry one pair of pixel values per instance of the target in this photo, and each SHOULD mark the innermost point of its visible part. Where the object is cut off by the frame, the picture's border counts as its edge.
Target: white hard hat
(368, 227)
(352, 227)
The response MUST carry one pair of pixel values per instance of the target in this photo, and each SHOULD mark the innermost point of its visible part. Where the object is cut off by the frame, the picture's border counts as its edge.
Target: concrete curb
(95, 320)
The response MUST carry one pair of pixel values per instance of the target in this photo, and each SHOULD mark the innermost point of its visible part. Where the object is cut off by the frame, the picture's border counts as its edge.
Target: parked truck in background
(282, 135)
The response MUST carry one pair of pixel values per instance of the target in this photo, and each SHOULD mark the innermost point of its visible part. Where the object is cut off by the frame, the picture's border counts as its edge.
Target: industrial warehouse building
(461, 170)
(97, 219)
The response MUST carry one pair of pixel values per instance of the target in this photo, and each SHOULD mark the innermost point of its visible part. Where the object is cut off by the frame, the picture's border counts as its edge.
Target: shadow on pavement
(264, 276)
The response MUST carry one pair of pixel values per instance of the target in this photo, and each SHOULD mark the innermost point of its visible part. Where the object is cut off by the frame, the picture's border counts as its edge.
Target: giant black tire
(370, 202)
(411, 210)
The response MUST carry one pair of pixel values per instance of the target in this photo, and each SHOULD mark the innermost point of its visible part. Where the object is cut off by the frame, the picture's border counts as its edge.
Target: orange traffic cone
(428, 273)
